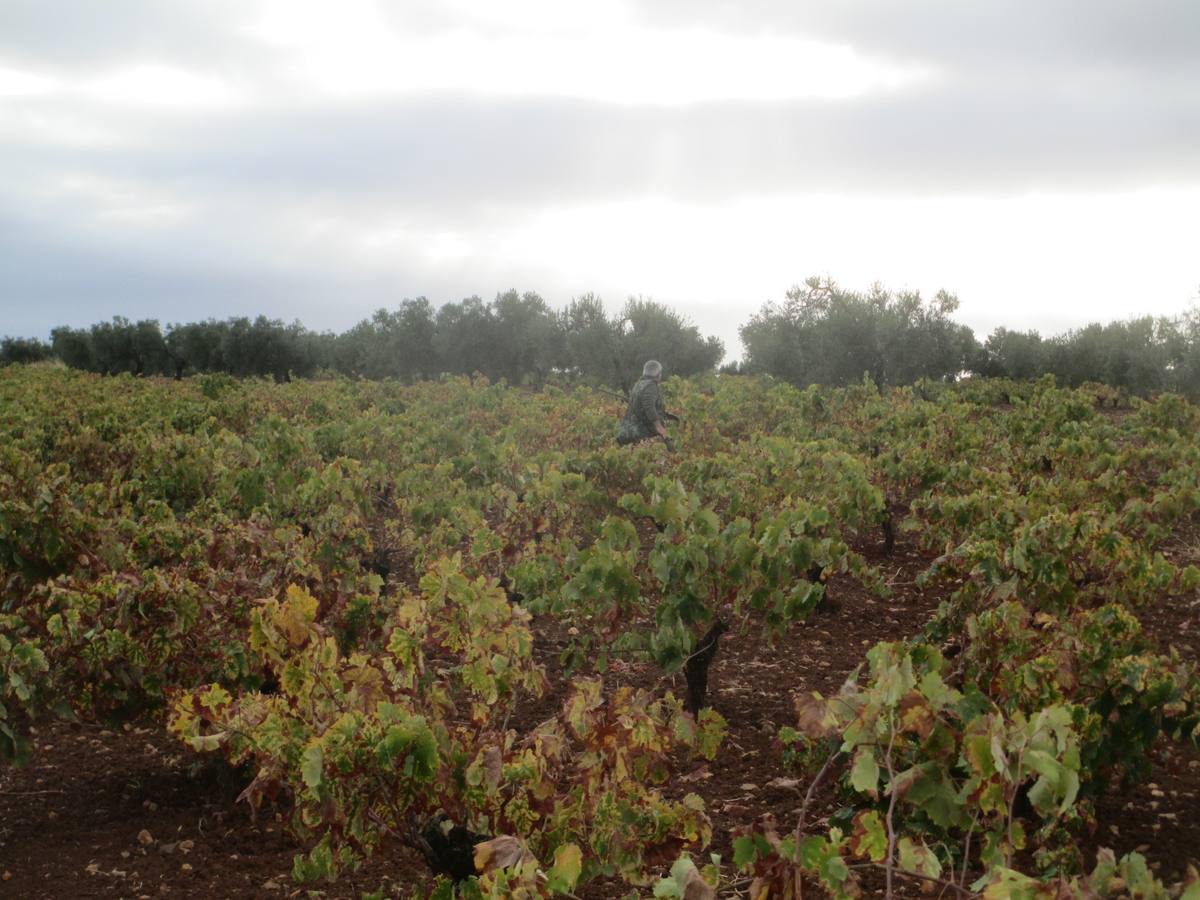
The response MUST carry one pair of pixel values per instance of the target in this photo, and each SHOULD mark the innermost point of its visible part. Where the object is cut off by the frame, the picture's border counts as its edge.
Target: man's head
(652, 369)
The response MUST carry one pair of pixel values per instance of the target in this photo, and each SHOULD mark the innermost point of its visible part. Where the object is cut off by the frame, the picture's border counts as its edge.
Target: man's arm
(660, 408)
(650, 408)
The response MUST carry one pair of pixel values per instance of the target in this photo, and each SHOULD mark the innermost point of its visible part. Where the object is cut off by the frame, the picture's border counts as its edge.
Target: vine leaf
(916, 857)
(864, 776)
(500, 853)
(568, 866)
(869, 839)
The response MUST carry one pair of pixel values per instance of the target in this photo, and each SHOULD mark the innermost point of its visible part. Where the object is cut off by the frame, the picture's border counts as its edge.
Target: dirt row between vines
(131, 813)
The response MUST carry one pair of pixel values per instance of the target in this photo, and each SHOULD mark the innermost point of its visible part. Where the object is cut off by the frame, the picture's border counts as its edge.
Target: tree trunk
(695, 670)
(448, 849)
(889, 532)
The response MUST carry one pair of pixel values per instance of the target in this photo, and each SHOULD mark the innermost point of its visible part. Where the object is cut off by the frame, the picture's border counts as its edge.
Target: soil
(131, 813)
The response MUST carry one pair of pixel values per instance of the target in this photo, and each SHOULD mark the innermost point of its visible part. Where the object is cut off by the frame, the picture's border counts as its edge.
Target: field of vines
(362, 639)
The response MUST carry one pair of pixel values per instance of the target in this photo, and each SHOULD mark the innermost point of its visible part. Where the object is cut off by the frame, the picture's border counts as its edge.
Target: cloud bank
(315, 161)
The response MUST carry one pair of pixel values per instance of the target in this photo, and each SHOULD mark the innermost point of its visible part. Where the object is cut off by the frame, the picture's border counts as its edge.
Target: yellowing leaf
(869, 839)
(568, 865)
(296, 615)
(864, 776)
(214, 698)
(813, 718)
(916, 857)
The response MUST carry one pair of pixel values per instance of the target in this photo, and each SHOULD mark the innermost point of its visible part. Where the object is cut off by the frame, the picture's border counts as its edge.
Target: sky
(181, 159)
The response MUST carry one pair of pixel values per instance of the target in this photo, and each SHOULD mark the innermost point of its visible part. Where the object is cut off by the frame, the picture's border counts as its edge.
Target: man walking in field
(645, 417)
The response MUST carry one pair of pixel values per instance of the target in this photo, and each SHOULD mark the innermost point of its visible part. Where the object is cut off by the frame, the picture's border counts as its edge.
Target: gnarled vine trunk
(695, 670)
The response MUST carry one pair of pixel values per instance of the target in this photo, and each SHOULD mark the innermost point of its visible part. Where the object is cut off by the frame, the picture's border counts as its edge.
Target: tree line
(822, 334)
(819, 334)
(517, 337)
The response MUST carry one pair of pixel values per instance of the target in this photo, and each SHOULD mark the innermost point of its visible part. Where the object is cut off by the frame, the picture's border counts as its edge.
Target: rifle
(604, 390)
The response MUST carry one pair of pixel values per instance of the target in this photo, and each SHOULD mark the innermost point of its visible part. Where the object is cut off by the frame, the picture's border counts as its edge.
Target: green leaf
(684, 882)
(813, 851)
(18, 687)
(1106, 868)
(938, 799)
(834, 872)
(414, 738)
(312, 765)
(568, 865)
(864, 776)
(916, 857)
(1005, 884)
(1139, 880)
(317, 864)
(744, 852)
(668, 888)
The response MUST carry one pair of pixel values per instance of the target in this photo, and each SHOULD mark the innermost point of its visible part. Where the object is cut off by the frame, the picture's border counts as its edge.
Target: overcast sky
(317, 160)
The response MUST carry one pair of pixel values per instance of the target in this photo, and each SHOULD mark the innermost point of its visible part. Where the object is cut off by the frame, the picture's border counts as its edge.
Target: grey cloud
(1075, 96)
(1032, 95)
(455, 159)
(50, 278)
(69, 34)
(61, 263)
(1158, 34)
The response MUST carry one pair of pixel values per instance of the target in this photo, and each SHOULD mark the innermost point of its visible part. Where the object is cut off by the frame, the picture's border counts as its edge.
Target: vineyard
(362, 639)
